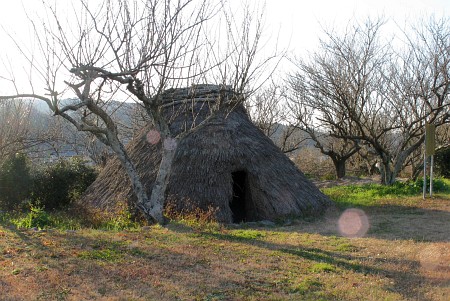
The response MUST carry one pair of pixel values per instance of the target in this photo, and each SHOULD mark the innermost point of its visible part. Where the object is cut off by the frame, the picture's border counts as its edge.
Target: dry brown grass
(405, 255)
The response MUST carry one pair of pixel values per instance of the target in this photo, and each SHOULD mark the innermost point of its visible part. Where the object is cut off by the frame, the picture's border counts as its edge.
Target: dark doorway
(237, 205)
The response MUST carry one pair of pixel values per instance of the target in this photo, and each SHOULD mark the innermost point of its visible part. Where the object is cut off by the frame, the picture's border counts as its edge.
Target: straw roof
(228, 164)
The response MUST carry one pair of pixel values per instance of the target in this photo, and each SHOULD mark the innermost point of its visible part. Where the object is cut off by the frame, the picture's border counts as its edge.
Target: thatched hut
(227, 164)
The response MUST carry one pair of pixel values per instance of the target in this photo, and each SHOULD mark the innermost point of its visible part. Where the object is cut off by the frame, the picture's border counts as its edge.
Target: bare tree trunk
(388, 174)
(138, 188)
(158, 196)
(339, 165)
(390, 170)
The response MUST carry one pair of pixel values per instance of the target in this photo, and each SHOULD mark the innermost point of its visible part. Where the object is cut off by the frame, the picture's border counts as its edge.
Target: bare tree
(414, 91)
(24, 128)
(54, 138)
(328, 91)
(138, 49)
(338, 149)
(14, 127)
(268, 111)
(359, 89)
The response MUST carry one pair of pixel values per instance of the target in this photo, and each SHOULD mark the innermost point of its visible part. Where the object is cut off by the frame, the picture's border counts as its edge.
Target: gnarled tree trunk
(158, 196)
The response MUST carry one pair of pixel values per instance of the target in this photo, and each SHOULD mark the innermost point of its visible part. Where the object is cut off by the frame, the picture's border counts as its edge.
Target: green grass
(63, 220)
(45, 220)
(323, 267)
(110, 255)
(371, 194)
(308, 286)
(188, 260)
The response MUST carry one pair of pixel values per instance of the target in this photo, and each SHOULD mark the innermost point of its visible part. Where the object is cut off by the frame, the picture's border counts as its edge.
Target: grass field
(394, 247)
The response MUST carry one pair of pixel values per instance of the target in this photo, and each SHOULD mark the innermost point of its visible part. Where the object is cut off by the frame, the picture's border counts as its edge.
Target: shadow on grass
(106, 262)
(402, 282)
(66, 263)
(390, 222)
(96, 263)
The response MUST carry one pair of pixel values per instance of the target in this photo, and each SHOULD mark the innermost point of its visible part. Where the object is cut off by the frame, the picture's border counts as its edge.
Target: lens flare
(353, 223)
(153, 137)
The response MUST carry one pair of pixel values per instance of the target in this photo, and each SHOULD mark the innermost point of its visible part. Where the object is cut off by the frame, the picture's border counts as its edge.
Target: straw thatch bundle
(228, 164)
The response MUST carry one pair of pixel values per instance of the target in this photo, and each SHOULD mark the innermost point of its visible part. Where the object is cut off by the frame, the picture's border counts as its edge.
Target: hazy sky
(301, 21)
(296, 23)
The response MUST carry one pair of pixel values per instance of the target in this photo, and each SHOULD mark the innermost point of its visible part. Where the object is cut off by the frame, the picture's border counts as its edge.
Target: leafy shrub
(58, 185)
(36, 218)
(439, 185)
(15, 181)
(442, 161)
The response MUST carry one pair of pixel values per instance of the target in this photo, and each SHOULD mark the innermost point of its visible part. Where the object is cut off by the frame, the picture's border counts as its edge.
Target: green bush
(36, 218)
(56, 186)
(15, 182)
(442, 163)
(439, 185)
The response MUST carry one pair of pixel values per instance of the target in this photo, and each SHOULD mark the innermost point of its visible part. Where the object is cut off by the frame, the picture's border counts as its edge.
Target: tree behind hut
(362, 90)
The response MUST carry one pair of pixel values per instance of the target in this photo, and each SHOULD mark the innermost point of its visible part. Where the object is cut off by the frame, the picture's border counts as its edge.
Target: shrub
(15, 181)
(36, 218)
(58, 185)
(439, 185)
(442, 161)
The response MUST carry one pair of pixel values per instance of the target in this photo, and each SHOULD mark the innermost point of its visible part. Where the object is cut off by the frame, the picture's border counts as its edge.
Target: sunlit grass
(202, 260)
(41, 219)
(374, 194)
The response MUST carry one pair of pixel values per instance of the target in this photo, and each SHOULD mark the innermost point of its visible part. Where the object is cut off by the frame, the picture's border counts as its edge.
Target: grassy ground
(394, 247)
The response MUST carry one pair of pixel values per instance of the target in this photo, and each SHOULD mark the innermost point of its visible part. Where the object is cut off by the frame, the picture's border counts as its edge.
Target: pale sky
(301, 21)
(295, 23)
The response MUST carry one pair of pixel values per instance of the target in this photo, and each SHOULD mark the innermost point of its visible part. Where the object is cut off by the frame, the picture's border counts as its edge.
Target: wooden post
(431, 176)
(424, 174)
(430, 143)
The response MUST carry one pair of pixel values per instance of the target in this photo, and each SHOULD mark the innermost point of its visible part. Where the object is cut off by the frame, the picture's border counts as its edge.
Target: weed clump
(323, 267)
(120, 220)
(196, 218)
(36, 218)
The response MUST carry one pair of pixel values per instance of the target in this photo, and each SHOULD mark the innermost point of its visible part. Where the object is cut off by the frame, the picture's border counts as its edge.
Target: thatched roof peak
(195, 93)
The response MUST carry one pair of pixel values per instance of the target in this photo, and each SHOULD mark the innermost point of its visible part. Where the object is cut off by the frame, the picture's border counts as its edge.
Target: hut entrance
(237, 205)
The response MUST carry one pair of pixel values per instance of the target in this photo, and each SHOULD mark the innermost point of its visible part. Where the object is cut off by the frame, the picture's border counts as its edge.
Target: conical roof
(227, 165)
